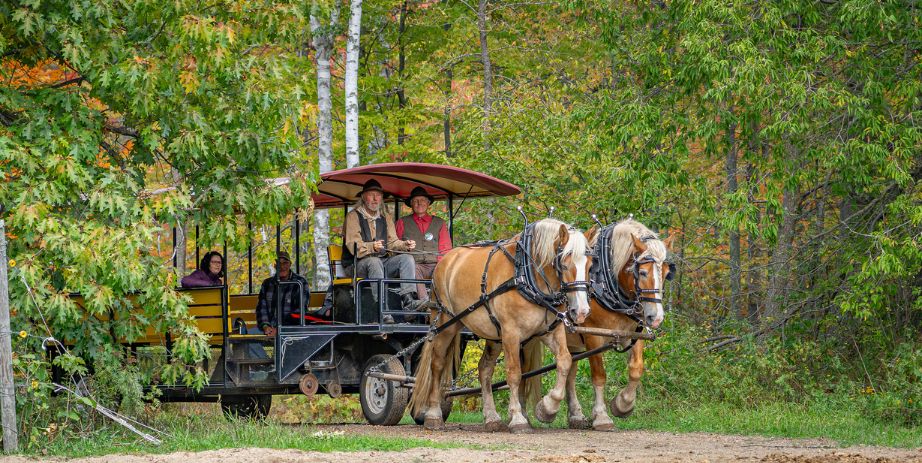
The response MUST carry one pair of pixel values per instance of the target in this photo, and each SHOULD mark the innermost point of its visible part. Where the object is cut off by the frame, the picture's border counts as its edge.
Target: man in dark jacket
(281, 285)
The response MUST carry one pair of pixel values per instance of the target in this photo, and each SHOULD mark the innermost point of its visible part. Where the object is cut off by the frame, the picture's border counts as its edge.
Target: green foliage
(103, 104)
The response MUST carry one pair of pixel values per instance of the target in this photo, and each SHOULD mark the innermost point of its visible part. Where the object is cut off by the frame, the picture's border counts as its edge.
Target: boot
(409, 302)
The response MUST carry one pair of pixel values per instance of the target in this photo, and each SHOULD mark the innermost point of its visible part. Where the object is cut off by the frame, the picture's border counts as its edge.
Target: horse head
(562, 250)
(640, 257)
(644, 276)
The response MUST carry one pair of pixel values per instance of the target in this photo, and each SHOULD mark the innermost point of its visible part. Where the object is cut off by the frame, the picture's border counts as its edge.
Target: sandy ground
(549, 446)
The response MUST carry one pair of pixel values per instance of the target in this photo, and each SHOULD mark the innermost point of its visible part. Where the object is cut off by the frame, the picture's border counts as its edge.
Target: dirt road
(548, 446)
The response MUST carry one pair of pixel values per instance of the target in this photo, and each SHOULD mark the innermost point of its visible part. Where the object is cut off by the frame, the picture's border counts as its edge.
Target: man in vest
(428, 231)
(370, 231)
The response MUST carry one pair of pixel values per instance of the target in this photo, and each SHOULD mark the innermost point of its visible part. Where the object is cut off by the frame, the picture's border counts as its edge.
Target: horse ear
(563, 237)
(638, 244)
(668, 241)
(592, 235)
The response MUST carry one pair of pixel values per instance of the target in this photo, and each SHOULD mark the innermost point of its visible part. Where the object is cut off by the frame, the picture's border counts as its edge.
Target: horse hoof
(604, 427)
(578, 423)
(542, 413)
(495, 426)
(620, 407)
(433, 424)
(523, 428)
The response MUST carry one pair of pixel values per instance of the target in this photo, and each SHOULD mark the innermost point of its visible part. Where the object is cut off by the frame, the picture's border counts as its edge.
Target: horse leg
(491, 419)
(547, 408)
(440, 352)
(600, 419)
(576, 419)
(518, 423)
(623, 404)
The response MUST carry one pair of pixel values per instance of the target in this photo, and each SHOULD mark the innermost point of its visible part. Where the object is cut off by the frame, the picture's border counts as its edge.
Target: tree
(353, 40)
(323, 36)
(102, 104)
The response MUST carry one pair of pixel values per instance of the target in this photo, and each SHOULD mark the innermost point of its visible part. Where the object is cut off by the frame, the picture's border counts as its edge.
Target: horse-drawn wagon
(353, 350)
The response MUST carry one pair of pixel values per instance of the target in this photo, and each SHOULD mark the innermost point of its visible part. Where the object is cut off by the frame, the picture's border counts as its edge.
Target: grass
(211, 431)
(199, 427)
(839, 422)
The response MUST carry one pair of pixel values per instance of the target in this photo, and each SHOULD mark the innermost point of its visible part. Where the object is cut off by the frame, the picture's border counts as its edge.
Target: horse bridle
(639, 292)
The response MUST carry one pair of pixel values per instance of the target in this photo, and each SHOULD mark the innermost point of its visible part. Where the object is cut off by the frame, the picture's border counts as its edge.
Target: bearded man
(370, 231)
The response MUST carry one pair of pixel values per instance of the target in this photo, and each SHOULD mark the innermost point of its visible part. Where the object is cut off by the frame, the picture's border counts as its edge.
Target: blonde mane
(622, 245)
(546, 233)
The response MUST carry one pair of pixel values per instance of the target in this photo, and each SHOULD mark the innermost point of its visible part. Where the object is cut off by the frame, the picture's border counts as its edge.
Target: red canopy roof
(341, 187)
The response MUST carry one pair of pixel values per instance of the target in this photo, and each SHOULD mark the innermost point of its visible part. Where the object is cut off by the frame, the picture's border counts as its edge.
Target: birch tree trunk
(401, 65)
(487, 70)
(352, 77)
(323, 41)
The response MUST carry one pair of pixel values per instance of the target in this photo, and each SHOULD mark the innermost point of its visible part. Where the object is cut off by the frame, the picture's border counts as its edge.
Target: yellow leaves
(34, 384)
(188, 81)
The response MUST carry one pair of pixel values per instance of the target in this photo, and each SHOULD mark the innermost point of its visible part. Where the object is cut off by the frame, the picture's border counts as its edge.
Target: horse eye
(643, 273)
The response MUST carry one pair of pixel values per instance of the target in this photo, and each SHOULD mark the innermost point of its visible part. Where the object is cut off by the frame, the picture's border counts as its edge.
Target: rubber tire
(252, 407)
(383, 402)
(446, 410)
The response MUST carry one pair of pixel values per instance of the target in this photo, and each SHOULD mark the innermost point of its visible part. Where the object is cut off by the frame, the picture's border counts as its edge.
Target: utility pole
(7, 397)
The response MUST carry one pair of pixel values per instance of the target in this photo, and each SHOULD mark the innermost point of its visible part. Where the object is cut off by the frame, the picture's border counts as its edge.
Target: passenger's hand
(411, 245)
(221, 279)
(270, 331)
(379, 245)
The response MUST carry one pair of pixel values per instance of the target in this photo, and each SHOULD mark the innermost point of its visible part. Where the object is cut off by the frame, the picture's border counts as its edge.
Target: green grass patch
(843, 424)
(212, 432)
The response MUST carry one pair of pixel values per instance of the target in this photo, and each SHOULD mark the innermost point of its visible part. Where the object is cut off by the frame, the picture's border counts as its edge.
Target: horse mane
(546, 234)
(622, 245)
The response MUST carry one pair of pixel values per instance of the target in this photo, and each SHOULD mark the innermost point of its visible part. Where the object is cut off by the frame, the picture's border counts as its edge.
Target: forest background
(780, 141)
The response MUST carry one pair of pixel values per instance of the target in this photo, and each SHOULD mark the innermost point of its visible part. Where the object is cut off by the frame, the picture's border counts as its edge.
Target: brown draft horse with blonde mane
(559, 261)
(636, 264)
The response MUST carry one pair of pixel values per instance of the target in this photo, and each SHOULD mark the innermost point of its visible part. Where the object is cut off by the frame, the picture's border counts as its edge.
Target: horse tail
(424, 380)
(533, 353)
(423, 383)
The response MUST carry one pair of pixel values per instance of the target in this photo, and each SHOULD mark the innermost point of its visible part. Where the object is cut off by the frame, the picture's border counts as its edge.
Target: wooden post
(7, 397)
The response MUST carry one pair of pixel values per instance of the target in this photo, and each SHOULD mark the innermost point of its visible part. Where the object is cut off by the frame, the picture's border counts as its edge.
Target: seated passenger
(271, 291)
(370, 230)
(210, 272)
(427, 230)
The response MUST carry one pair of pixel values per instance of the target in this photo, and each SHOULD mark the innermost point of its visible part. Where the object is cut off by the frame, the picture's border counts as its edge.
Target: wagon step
(243, 338)
(251, 361)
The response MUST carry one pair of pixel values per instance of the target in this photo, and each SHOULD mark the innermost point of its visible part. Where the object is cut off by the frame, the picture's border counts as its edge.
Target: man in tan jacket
(371, 233)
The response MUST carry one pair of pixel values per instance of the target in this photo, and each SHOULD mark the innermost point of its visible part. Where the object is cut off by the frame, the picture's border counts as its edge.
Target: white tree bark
(352, 78)
(323, 41)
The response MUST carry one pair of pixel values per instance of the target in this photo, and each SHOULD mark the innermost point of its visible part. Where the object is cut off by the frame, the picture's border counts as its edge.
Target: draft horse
(628, 275)
(547, 267)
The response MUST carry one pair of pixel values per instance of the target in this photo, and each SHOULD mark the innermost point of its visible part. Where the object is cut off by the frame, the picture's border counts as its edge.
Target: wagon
(334, 355)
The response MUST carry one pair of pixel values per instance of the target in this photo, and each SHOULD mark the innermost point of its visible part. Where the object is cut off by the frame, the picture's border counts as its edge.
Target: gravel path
(546, 445)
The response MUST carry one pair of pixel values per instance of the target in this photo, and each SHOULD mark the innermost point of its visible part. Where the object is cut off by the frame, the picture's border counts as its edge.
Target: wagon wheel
(246, 406)
(309, 385)
(383, 401)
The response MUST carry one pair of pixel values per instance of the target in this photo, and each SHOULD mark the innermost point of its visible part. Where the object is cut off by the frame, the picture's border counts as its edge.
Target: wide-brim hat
(418, 191)
(371, 185)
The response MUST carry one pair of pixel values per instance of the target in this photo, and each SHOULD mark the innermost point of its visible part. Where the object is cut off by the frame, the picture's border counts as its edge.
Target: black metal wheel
(383, 401)
(254, 407)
